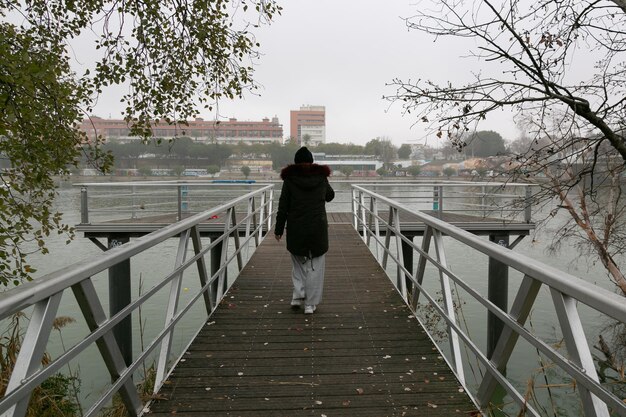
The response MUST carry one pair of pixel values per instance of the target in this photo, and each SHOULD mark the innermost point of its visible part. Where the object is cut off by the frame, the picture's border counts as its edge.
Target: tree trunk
(605, 257)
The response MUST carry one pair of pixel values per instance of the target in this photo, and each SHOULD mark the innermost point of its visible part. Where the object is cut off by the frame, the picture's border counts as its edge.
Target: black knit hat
(303, 155)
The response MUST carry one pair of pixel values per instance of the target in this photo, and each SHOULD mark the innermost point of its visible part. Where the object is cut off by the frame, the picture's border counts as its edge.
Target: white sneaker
(309, 309)
(296, 304)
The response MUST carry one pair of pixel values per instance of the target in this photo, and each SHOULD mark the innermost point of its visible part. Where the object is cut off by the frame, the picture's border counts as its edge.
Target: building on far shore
(311, 121)
(362, 165)
(231, 131)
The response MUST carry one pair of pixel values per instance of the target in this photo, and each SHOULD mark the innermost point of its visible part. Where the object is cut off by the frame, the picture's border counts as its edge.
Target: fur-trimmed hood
(304, 170)
(305, 176)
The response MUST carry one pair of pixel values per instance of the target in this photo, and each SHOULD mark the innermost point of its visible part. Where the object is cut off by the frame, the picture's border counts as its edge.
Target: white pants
(308, 278)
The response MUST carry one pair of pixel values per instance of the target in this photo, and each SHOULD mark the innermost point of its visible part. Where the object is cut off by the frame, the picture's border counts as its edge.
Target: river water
(149, 266)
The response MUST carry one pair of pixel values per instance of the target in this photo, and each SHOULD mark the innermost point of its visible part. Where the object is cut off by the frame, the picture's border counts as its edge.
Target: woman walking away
(302, 206)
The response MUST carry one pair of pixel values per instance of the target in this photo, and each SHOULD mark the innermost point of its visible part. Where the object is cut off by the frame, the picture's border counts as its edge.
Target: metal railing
(44, 295)
(566, 291)
(483, 199)
(105, 201)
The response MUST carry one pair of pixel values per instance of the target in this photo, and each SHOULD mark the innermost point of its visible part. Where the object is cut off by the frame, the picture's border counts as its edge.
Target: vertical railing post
(262, 213)
(248, 224)
(271, 210)
(84, 207)
(440, 203)
(448, 305)
(371, 219)
(436, 199)
(527, 205)
(400, 278)
(179, 200)
(354, 210)
(184, 198)
(133, 214)
(482, 200)
(363, 222)
(376, 225)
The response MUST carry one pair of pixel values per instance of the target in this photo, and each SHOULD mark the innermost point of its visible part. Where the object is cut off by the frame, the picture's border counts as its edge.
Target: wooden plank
(361, 353)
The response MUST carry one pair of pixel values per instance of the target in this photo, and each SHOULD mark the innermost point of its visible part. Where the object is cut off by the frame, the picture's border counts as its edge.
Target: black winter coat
(302, 206)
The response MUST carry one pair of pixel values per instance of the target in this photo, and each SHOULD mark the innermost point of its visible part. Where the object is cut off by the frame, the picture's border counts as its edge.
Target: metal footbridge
(389, 339)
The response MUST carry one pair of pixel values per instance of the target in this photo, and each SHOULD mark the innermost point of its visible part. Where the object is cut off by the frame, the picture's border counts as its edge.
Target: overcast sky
(340, 54)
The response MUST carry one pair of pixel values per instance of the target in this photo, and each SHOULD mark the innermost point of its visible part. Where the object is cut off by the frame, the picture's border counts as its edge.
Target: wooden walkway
(361, 354)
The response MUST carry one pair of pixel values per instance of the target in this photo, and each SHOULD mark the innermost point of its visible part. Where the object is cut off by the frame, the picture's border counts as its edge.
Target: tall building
(231, 131)
(311, 121)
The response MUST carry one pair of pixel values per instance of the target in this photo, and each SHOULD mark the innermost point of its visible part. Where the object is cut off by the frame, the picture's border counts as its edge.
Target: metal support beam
(421, 266)
(448, 306)
(109, 348)
(387, 238)
(99, 244)
(497, 293)
(233, 220)
(33, 348)
(172, 308)
(407, 260)
(120, 297)
(520, 310)
(202, 269)
(578, 349)
(216, 263)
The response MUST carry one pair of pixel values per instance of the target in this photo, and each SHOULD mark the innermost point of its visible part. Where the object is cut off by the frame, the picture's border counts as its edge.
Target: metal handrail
(566, 291)
(450, 201)
(45, 294)
(179, 195)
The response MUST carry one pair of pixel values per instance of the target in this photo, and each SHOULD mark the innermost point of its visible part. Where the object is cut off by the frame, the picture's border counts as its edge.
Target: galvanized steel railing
(566, 291)
(136, 199)
(44, 296)
(483, 199)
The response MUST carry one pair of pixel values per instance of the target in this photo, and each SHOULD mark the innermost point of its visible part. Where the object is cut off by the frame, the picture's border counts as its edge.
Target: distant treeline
(202, 154)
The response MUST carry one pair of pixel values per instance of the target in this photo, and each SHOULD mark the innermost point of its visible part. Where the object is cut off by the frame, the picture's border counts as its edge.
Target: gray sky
(340, 54)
